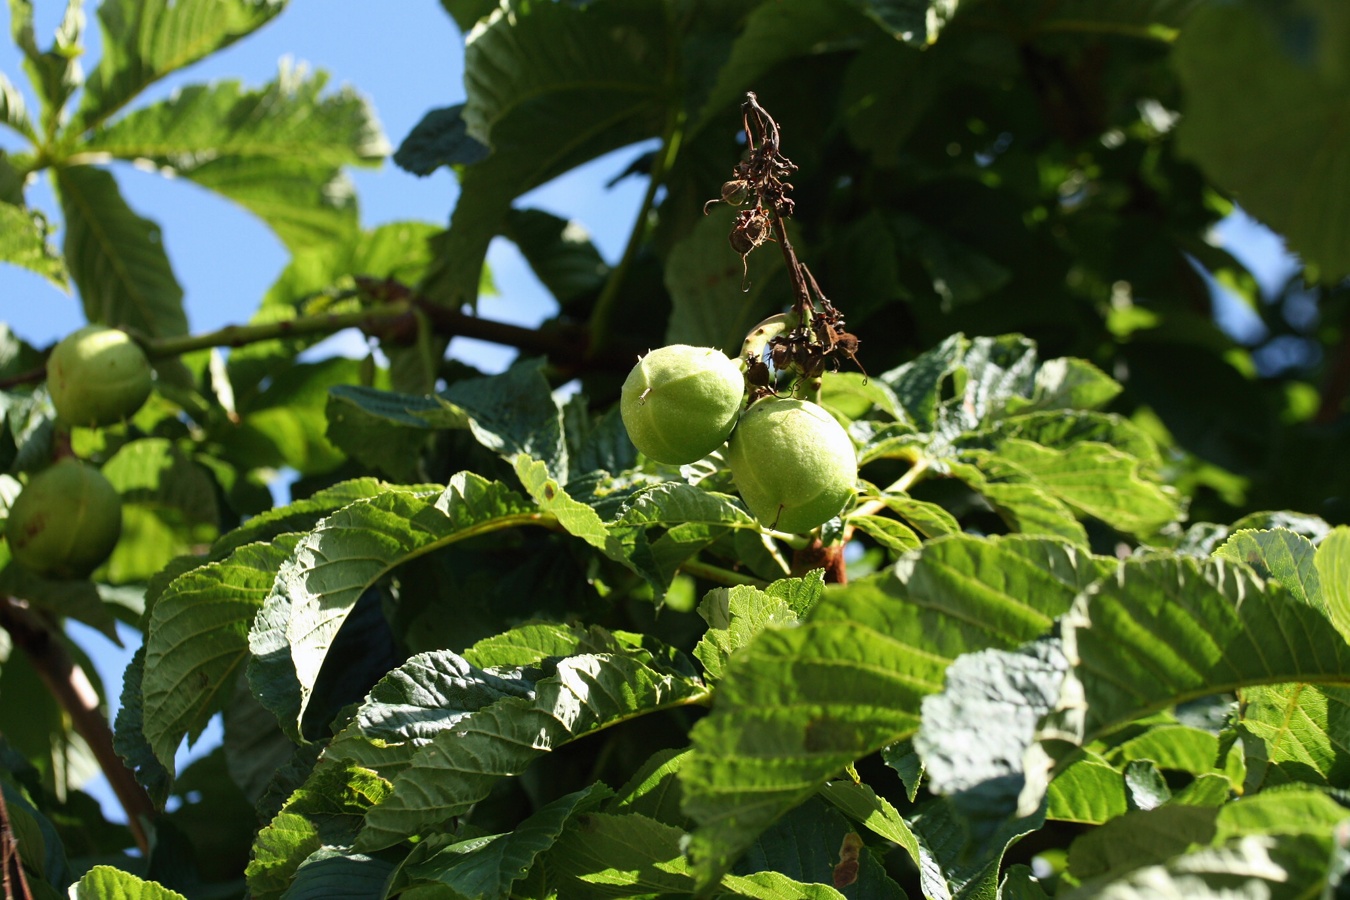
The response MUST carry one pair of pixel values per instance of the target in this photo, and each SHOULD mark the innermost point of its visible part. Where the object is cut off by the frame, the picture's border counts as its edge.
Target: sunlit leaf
(144, 41)
(549, 86)
(116, 257)
(459, 766)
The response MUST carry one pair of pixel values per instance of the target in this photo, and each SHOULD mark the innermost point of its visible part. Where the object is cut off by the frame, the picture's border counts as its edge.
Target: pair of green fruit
(794, 465)
(68, 518)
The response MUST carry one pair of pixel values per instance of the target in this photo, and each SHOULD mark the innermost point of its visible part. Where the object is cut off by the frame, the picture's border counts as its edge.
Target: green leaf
(797, 705)
(78, 599)
(892, 535)
(284, 424)
(511, 414)
(1166, 630)
(854, 394)
(489, 866)
(1282, 555)
(714, 302)
(439, 139)
(559, 252)
(117, 258)
(326, 811)
(734, 616)
(1089, 790)
(1254, 866)
(25, 236)
(458, 767)
(108, 883)
(334, 564)
(330, 872)
(622, 856)
(1160, 19)
(929, 519)
(949, 866)
(774, 33)
(234, 141)
(654, 790)
(55, 72)
(1139, 838)
(168, 507)
(1262, 122)
(1332, 562)
(426, 695)
(1027, 507)
(912, 21)
(1097, 480)
(692, 518)
(144, 41)
(591, 78)
(289, 118)
(860, 803)
(1172, 746)
(197, 642)
(809, 845)
(44, 855)
(975, 733)
(1296, 733)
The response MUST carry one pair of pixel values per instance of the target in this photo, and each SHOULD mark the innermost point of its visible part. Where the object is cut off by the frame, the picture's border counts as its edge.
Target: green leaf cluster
(1070, 637)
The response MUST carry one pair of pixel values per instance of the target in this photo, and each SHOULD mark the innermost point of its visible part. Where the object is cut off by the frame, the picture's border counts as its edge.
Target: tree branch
(68, 683)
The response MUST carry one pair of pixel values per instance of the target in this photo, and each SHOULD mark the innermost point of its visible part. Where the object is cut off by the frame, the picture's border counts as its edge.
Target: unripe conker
(65, 522)
(680, 402)
(794, 465)
(97, 376)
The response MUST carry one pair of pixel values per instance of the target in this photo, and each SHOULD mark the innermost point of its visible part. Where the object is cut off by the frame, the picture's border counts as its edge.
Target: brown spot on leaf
(550, 490)
(850, 850)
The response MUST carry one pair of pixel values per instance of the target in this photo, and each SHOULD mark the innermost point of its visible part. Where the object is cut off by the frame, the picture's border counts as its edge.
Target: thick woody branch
(68, 683)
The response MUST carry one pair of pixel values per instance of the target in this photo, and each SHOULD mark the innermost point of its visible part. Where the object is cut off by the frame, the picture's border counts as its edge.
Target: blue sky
(406, 58)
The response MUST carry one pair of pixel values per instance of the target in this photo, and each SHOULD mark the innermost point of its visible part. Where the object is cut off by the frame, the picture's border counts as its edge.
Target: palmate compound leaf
(331, 566)
(144, 40)
(459, 766)
(234, 140)
(591, 78)
(795, 706)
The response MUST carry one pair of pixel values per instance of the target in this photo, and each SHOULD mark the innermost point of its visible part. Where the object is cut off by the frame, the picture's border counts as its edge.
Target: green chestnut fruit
(97, 376)
(794, 465)
(65, 522)
(680, 402)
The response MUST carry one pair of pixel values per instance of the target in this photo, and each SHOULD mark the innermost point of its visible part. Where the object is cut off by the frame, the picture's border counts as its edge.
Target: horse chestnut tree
(65, 522)
(97, 376)
(679, 403)
(794, 465)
